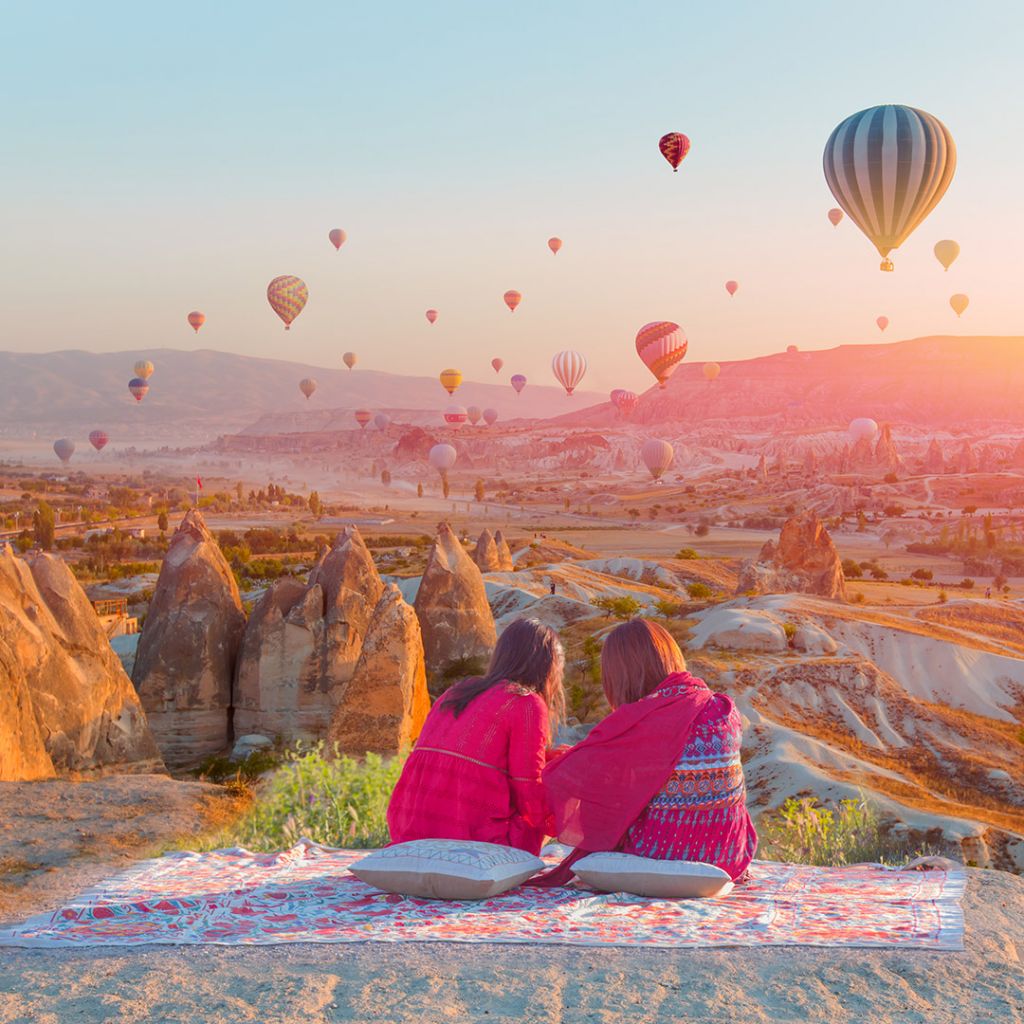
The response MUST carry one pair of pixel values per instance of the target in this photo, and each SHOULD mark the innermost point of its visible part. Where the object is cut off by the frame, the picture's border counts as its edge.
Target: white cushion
(644, 876)
(447, 869)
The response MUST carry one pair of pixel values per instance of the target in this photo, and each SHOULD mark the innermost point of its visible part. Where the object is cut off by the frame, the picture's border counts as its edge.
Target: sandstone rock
(486, 553)
(934, 461)
(861, 456)
(966, 461)
(886, 455)
(65, 703)
(812, 639)
(505, 563)
(804, 561)
(186, 656)
(739, 629)
(383, 706)
(762, 470)
(451, 605)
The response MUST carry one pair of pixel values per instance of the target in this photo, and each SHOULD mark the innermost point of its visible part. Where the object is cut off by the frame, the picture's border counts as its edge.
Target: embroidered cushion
(643, 876)
(447, 869)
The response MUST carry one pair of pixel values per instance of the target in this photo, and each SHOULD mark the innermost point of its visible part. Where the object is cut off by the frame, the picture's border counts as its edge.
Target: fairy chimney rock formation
(861, 455)
(383, 706)
(186, 656)
(934, 460)
(66, 704)
(966, 462)
(486, 553)
(762, 470)
(804, 560)
(505, 563)
(302, 644)
(451, 605)
(886, 455)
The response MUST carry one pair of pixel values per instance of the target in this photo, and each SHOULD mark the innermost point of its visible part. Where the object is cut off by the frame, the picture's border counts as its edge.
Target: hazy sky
(161, 160)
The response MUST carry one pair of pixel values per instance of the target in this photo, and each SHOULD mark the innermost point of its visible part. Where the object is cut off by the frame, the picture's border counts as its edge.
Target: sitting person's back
(475, 772)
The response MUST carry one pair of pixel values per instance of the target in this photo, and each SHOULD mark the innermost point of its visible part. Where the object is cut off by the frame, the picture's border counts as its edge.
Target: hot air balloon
(450, 380)
(628, 402)
(362, 417)
(657, 456)
(835, 215)
(350, 359)
(64, 448)
(568, 368)
(382, 421)
(497, 364)
(144, 369)
(711, 371)
(959, 302)
(98, 439)
(138, 387)
(442, 458)
(661, 345)
(518, 382)
(287, 296)
(431, 315)
(791, 350)
(490, 416)
(615, 395)
(862, 427)
(196, 320)
(307, 386)
(883, 322)
(946, 252)
(512, 299)
(732, 287)
(473, 414)
(888, 167)
(455, 416)
(674, 146)
(337, 237)
(554, 244)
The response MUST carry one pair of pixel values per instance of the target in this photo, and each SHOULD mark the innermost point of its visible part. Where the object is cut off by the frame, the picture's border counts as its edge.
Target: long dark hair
(528, 653)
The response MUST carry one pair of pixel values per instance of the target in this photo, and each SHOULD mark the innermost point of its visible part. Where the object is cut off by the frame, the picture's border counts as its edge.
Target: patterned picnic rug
(306, 894)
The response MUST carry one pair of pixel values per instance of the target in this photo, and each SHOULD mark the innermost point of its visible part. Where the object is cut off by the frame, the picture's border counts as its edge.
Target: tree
(419, 490)
(922, 574)
(314, 502)
(238, 490)
(444, 486)
(44, 523)
(852, 569)
(385, 477)
(478, 490)
(161, 521)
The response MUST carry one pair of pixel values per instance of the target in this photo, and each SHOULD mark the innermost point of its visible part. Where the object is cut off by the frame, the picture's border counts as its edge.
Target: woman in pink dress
(661, 776)
(475, 772)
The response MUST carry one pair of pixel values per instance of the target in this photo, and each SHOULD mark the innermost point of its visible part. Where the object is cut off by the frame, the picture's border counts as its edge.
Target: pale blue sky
(157, 161)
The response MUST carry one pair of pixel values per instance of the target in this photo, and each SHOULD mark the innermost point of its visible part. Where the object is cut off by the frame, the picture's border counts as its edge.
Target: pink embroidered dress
(477, 776)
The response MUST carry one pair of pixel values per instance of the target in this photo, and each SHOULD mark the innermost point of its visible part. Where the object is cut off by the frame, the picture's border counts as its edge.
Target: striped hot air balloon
(144, 369)
(98, 439)
(362, 417)
(139, 388)
(615, 395)
(473, 413)
(662, 345)
(657, 456)
(888, 167)
(450, 380)
(628, 402)
(196, 320)
(568, 368)
(287, 296)
(455, 416)
(674, 146)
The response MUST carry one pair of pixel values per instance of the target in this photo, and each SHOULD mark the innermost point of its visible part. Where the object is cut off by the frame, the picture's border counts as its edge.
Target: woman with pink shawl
(661, 776)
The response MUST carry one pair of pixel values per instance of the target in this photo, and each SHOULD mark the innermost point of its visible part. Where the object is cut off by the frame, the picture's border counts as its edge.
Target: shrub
(943, 597)
(667, 609)
(878, 573)
(922, 574)
(852, 569)
(620, 607)
(858, 597)
(966, 583)
(702, 529)
(687, 554)
(699, 591)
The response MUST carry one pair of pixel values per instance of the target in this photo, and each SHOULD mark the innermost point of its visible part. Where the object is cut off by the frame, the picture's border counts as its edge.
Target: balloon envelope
(307, 386)
(442, 457)
(946, 251)
(287, 296)
(888, 167)
(662, 345)
(616, 394)
(362, 417)
(674, 146)
(628, 402)
(554, 244)
(490, 416)
(350, 359)
(569, 368)
(497, 364)
(473, 414)
(450, 380)
(455, 415)
(518, 382)
(512, 299)
(732, 287)
(711, 370)
(431, 315)
(657, 456)
(959, 302)
(382, 421)
(883, 322)
(98, 439)
(862, 427)
(144, 369)
(64, 448)
(835, 215)
(337, 237)
(138, 387)
(196, 320)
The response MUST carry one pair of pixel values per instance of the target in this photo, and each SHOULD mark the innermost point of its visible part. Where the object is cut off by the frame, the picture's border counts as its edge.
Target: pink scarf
(601, 786)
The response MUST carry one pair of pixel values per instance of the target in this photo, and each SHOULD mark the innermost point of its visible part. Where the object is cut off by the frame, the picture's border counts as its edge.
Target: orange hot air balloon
(554, 244)
(662, 346)
(835, 215)
(450, 380)
(307, 386)
(431, 315)
(287, 296)
(144, 369)
(196, 320)
(959, 302)
(883, 322)
(946, 252)
(363, 417)
(497, 364)
(350, 359)
(674, 148)
(337, 237)
(512, 299)
(711, 371)
(732, 287)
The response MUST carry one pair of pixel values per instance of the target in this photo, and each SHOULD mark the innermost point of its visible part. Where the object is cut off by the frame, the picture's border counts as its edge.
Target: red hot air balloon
(196, 320)
(497, 364)
(883, 322)
(674, 146)
(616, 394)
(662, 346)
(554, 244)
(835, 215)
(98, 439)
(513, 298)
(139, 388)
(337, 237)
(732, 287)
(363, 417)
(518, 382)
(431, 315)
(628, 402)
